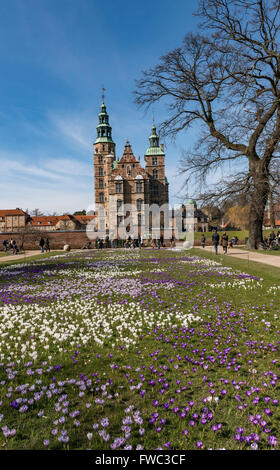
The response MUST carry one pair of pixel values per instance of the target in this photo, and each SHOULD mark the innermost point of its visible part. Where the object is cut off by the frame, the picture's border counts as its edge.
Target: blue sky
(55, 56)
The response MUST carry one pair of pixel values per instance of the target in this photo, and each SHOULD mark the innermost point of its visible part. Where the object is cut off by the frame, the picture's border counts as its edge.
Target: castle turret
(155, 167)
(104, 158)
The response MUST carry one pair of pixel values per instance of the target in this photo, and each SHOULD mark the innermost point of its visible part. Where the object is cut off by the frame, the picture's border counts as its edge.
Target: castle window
(103, 148)
(100, 159)
(154, 161)
(139, 186)
(155, 190)
(100, 171)
(118, 187)
(139, 219)
(155, 174)
(139, 203)
(128, 171)
(101, 211)
(101, 197)
(119, 204)
(101, 184)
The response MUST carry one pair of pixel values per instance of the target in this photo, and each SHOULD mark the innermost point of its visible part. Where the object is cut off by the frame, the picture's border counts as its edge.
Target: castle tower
(155, 168)
(104, 158)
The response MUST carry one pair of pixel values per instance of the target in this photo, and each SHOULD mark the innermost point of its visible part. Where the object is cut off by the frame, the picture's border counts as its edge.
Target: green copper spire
(154, 148)
(104, 130)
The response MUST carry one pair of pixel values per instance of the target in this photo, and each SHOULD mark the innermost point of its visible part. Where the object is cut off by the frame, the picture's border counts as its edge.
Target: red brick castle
(122, 181)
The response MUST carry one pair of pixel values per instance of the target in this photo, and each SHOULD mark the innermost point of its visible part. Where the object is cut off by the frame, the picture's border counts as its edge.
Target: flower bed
(132, 350)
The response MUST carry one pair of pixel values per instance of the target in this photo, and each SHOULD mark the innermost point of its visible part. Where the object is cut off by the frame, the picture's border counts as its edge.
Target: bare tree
(36, 213)
(227, 81)
(29, 235)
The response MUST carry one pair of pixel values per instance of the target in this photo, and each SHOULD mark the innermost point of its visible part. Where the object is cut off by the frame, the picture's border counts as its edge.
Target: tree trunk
(258, 203)
(271, 211)
(255, 229)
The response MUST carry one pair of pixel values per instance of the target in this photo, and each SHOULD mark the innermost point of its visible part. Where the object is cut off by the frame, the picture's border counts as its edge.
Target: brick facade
(12, 219)
(76, 239)
(124, 181)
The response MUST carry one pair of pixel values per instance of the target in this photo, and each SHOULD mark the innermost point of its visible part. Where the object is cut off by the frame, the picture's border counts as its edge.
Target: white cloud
(61, 185)
(75, 127)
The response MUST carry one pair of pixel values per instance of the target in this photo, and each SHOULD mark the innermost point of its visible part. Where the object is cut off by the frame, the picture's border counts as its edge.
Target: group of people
(216, 240)
(131, 242)
(128, 243)
(273, 241)
(11, 246)
(44, 245)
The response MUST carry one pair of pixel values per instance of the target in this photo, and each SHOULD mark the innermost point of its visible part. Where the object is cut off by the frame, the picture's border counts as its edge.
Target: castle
(122, 181)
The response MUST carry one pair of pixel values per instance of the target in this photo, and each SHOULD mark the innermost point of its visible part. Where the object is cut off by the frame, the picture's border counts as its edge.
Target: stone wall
(76, 239)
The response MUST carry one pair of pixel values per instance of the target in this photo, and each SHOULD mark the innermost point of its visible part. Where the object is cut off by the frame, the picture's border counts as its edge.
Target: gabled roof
(44, 220)
(5, 212)
(84, 219)
(128, 156)
(52, 220)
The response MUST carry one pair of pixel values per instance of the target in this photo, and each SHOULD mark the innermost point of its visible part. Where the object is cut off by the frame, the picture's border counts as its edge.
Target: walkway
(272, 260)
(22, 256)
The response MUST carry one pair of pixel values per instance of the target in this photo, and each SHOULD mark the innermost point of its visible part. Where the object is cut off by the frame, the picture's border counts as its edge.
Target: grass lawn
(139, 349)
(241, 234)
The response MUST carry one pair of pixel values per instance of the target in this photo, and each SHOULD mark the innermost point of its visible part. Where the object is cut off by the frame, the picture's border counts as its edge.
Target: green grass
(269, 273)
(241, 234)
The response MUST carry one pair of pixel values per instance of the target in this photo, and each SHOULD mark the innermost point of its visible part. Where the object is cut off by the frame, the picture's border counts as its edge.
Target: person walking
(48, 245)
(225, 243)
(203, 240)
(14, 247)
(42, 243)
(215, 241)
(271, 239)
